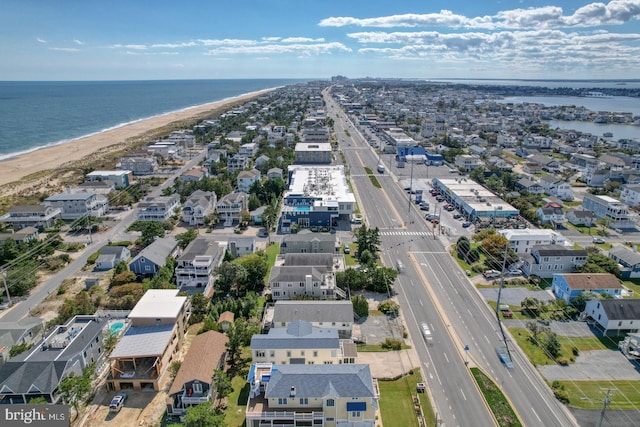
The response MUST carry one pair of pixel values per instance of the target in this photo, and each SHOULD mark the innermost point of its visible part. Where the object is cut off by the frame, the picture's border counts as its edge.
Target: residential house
(237, 162)
(138, 164)
(198, 206)
(120, 178)
(572, 285)
(548, 163)
(27, 330)
(326, 395)
(537, 141)
(628, 261)
(615, 315)
(523, 240)
(614, 213)
(581, 217)
(23, 235)
(301, 343)
(225, 320)
(261, 160)
(289, 282)
(546, 260)
(159, 322)
(529, 184)
(630, 195)
(556, 187)
(532, 167)
(596, 178)
(38, 216)
(336, 314)
(584, 161)
(249, 149)
(74, 205)
(306, 241)
(196, 266)
(194, 175)
(152, 258)
(194, 384)
(241, 246)
(96, 187)
(246, 179)
(231, 206)
(110, 256)
(159, 208)
(67, 349)
(551, 213)
(257, 215)
(274, 173)
(468, 162)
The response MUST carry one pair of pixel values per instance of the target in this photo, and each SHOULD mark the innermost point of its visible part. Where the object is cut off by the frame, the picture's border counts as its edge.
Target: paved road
(433, 289)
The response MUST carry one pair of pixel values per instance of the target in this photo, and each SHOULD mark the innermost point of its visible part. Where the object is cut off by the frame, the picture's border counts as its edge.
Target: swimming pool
(116, 327)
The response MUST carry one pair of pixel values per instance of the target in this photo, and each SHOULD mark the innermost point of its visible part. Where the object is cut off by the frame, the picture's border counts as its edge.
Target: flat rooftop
(158, 303)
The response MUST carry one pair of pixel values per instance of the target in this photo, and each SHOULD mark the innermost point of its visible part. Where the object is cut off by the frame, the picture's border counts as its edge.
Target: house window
(301, 352)
(272, 353)
(288, 353)
(331, 402)
(197, 387)
(356, 414)
(304, 401)
(315, 353)
(260, 353)
(147, 268)
(620, 323)
(282, 401)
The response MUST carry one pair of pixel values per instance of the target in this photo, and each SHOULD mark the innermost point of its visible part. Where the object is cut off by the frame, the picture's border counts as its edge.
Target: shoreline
(51, 157)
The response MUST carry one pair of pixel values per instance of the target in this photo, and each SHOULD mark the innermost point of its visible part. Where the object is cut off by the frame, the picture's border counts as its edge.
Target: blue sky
(160, 39)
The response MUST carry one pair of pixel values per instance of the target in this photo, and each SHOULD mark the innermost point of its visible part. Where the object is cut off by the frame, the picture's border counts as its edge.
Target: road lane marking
(445, 356)
(463, 396)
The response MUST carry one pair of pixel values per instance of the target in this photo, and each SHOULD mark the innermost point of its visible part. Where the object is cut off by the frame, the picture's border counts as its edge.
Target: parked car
(491, 274)
(598, 240)
(435, 221)
(430, 217)
(466, 224)
(347, 249)
(457, 216)
(118, 401)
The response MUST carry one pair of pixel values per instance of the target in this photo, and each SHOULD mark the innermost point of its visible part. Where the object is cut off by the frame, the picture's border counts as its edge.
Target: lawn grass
(349, 259)
(396, 401)
(237, 403)
(590, 394)
(272, 252)
(633, 285)
(499, 405)
(533, 352)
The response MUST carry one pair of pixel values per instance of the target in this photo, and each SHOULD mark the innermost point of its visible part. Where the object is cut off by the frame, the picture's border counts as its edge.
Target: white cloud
(594, 14)
(78, 42)
(40, 40)
(302, 40)
(306, 49)
(65, 49)
(128, 46)
(227, 42)
(173, 45)
(270, 39)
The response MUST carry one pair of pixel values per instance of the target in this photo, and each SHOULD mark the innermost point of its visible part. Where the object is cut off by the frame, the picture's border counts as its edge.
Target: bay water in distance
(39, 114)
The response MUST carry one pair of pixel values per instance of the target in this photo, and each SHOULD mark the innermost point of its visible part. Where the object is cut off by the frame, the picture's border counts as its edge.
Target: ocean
(38, 114)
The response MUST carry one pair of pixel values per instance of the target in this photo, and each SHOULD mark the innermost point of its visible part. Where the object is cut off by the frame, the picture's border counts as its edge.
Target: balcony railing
(285, 415)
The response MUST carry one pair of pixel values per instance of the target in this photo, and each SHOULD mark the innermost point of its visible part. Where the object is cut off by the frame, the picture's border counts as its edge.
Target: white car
(426, 332)
(118, 401)
(598, 240)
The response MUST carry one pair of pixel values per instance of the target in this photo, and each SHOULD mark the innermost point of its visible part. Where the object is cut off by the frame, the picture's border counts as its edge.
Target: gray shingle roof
(556, 250)
(626, 255)
(307, 259)
(311, 381)
(621, 309)
(296, 274)
(158, 250)
(298, 334)
(313, 311)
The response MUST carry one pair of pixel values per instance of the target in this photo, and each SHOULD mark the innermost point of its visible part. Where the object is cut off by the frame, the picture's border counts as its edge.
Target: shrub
(388, 306)
(575, 351)
(562, 361)
(92, 258)
(392, 344)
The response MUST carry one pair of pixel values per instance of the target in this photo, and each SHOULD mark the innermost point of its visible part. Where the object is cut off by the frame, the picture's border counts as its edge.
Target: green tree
(199, 305)
(388, 306)
(38, 401)
(222, 383)
(187, 237)
(229, 274)
(255, 265)
(203, 416)
(494, 247)
(360, 305)
(368, 239)
(121, 267)
(599, 263)
(149, 231)
(22, 278)
(75, 389)
(551, 344)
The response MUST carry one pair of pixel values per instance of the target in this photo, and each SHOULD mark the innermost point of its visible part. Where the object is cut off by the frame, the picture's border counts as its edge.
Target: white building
(616, 214)
(76, 205)
(630, 195)
(196, 266)
(158, 208)
(523, 240)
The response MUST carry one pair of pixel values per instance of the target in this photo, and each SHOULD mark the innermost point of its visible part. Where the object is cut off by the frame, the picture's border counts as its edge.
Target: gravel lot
(513, 296)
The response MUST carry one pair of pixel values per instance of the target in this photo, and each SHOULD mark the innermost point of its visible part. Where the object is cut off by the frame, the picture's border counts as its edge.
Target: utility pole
(605, 402)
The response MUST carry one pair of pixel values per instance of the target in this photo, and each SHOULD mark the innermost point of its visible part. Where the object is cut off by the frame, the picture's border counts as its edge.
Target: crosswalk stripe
(405, 233)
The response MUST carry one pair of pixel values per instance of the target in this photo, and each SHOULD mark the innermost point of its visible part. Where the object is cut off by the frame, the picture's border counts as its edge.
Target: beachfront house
(120, 178)
(194, 382)
(141, 358)
(138, 164)
(78, 204)
(24, 235)
(37, 216)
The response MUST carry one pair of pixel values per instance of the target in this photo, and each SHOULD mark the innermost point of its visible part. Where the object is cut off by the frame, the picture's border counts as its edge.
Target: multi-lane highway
(433, 289)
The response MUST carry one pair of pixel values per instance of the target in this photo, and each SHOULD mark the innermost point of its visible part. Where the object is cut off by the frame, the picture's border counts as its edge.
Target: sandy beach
(50, 158)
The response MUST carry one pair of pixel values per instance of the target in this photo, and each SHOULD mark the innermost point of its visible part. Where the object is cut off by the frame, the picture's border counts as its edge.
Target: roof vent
(292, 393)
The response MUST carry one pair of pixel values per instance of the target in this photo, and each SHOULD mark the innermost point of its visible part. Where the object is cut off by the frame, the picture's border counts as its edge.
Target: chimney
(292, 393)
